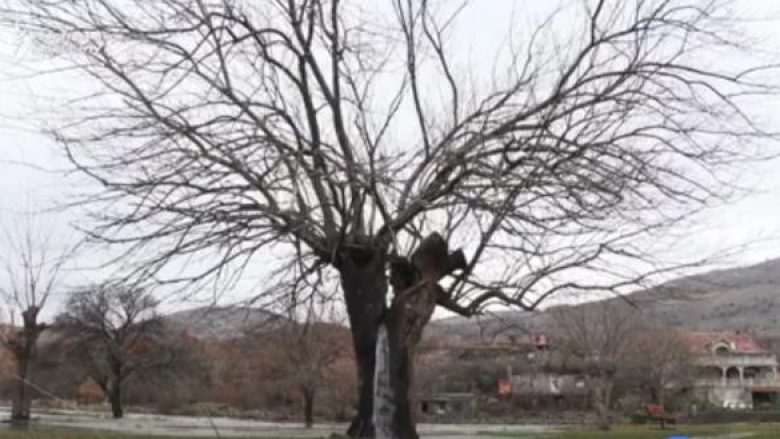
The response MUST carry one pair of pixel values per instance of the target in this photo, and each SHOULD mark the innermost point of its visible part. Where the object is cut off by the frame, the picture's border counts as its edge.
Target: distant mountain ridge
(220, 323)
(744, 298)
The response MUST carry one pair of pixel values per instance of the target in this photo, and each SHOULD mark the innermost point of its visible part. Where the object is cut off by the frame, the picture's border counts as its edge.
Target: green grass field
(755, 431)
(762, 431)
(68, 433)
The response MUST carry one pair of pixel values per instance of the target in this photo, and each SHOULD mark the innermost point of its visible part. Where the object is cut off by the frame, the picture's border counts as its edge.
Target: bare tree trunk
(24, 351)
(384, 407)
(308, 406)
(600, 409)
(115, 398)
(115, 387)
(601, 400)
(365, 285)
(22, 400)
(381, 351)
(385, 338)
(398, 404)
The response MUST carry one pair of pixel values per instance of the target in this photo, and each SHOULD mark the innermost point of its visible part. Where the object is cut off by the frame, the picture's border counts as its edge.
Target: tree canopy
(227, 127)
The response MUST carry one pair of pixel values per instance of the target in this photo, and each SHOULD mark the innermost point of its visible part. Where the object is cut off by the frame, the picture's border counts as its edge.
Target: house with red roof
(735, 371)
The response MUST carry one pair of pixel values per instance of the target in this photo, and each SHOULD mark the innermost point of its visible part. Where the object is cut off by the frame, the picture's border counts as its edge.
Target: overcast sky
(33, 172)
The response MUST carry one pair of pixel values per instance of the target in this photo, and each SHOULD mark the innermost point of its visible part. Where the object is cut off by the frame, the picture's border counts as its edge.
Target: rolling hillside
(746, 298)
(223, 323)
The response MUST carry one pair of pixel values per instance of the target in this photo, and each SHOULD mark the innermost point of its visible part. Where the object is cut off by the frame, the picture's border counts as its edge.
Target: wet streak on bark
(384, 389)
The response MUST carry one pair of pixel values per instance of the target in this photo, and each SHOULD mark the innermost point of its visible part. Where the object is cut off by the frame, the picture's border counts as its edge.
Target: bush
(638, 417)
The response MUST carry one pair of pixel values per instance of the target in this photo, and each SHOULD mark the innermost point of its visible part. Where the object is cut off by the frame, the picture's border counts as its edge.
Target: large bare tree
(354, 139)
(33, 270)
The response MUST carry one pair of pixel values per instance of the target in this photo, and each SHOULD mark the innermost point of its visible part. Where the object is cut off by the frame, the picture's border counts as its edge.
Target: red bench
(657, 412)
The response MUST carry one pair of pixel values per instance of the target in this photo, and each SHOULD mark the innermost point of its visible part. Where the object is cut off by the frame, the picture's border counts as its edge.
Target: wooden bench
(657, 413)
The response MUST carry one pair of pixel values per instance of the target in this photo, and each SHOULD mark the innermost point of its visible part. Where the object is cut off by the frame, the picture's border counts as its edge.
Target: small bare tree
(116, 330)
(311, 344)
(33, 270)
(657, 361)
(598, 336)
(356, 143)
(310, 351)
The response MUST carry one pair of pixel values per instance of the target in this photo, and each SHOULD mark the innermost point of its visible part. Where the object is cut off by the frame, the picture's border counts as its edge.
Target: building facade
(734, 371)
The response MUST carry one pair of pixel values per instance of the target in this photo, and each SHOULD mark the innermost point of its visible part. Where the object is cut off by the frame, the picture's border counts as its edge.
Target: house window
(722, 349)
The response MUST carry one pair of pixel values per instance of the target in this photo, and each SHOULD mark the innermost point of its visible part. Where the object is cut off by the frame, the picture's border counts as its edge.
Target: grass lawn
(758, 431)
(73, 433)
(68, 433)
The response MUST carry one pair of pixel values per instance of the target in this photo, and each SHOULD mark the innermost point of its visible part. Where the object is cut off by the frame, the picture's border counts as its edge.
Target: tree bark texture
(385, 337)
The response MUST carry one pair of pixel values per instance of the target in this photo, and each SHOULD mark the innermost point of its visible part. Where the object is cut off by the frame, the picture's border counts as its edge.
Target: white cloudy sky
(33, 173)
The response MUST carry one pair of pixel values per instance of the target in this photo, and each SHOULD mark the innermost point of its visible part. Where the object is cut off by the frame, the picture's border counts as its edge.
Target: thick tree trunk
(364, 283)
(394, 414)
(24, 351)
(385, 338)
(385, 409)
(308, 407)
(601, 401)
(115, 397)
(22, 400)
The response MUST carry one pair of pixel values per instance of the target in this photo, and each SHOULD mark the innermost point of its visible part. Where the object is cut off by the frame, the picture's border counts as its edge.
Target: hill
(224, 323)
(746, 298)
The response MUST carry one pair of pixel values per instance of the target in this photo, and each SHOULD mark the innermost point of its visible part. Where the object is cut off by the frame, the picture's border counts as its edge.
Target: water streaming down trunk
(384, 403)
(365, 286)
(385, 336)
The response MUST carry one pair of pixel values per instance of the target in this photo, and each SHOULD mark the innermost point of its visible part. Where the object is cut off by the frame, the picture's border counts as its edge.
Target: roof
(452, 396)
(739, 342)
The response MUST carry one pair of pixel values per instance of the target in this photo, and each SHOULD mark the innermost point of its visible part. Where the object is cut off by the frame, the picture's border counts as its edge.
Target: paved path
(146, 424)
